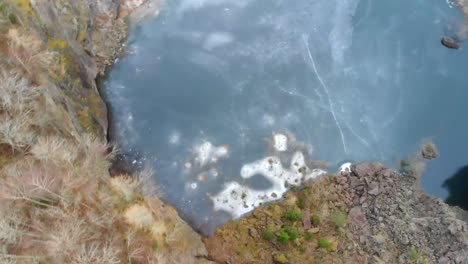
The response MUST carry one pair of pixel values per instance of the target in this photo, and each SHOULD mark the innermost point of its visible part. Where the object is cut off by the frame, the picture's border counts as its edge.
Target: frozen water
(213, 91)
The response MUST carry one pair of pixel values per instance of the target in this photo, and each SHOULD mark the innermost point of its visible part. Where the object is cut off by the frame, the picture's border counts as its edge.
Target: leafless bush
(146, 184)
(15, 91)
(66, 236)
(96, 159)
(14, 130)
(26, 49)
(95, 253)
(16, 104)
(10, 229)
(55, 150)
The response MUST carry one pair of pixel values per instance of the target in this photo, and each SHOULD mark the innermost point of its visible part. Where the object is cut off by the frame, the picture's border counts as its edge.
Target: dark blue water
(208, 83)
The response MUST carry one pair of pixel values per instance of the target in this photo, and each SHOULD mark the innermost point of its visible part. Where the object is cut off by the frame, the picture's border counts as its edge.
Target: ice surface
(212, 91)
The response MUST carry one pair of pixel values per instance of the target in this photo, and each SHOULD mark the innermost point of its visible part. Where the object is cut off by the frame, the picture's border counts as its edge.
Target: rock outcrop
(370, 215)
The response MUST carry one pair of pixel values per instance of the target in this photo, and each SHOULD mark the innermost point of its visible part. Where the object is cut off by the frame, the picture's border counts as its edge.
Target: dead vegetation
(16, 108)
(58, 203)
(26, 50)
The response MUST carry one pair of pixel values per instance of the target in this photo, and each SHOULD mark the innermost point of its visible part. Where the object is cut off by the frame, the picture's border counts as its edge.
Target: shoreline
(60, 201)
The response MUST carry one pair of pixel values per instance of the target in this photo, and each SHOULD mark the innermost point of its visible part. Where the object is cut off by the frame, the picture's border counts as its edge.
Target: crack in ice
(323, 107)
(325, 88)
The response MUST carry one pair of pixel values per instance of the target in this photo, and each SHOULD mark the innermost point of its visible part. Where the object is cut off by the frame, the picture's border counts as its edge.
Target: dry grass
(139, 216)
(58, 203)
(124, 187)
(54, 150)
(16, 93)
(14, 131)
(68, 216)
(27, 51)
(17, 105)
(71, 211)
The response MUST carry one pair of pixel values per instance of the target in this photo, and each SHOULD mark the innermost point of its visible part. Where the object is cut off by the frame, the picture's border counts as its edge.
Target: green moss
(324, 243)
(283, 237)
(82, 34)
(302, 170)
(414, 255)
(301, 202)
(61, 68)
(267, 234)
(8, 13)
(57, 44)
(85, 119)
(24, 5)
(12, 18)
(302, 249)
(293, 215)
(154, 245)
(308, 236)
(292, 232)
(4, 160)
(281, 258)
(315, 220)
(339, 219)
(287, 234)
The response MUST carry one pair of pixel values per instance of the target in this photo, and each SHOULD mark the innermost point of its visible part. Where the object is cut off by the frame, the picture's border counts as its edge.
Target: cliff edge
(58, 203)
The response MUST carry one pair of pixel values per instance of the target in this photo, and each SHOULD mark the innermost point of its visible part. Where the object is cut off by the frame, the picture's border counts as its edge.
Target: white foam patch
(217, 39)
(280, 142)
(346, 167)
(206, 153)
(237, 199)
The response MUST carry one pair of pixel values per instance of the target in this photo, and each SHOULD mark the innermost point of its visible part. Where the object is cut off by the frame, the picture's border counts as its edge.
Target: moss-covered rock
(347, 221)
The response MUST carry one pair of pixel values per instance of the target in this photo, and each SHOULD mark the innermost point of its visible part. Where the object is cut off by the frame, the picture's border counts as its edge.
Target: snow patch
(281, 142)
(237, 199)
(345, 168)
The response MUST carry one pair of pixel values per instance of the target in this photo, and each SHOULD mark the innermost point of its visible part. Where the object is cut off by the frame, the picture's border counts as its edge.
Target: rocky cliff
(369, 214)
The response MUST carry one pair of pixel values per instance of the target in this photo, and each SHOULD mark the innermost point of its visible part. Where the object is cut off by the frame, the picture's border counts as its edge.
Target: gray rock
(366, 169)
(373, 188)
(429, 151)
(357, 217)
